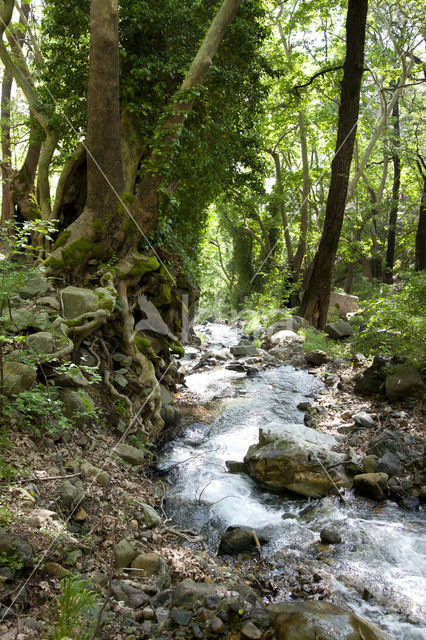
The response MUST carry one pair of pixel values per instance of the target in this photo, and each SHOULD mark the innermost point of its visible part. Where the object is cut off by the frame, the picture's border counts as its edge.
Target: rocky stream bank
(103, 510)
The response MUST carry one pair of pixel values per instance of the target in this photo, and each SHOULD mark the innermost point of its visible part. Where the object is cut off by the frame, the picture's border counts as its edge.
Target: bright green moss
(141, 344)
(176, 347)
(144, 264)
(76, 253)
(129, 227)
(164, 295)
(54, 263)
(62, 239)
(98, 226)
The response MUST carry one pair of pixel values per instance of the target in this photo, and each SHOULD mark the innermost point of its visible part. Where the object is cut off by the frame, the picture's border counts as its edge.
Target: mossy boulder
(18, 377)
(77, 405)
(24, 320)
(42, 342)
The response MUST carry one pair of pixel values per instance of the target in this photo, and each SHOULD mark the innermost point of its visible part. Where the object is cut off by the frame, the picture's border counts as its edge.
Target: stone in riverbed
(316, 357)
(296, 458)
(312, 619)
(372, 485)
(330, 536)
(239, 539)
(389, 463)
(250, 631)
(244, 350)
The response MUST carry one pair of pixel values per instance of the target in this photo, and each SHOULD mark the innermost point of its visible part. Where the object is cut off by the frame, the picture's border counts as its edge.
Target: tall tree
(317, 294)
(396, 182)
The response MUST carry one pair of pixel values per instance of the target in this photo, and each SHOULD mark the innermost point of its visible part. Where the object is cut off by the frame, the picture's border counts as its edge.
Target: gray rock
(71, 493)
(296, 458)
(284, 337)
(244, 350)
(407, 382)
(238, 539)
(76, 405)
(166, 396)
(90, 471)
(24, 320)
(125, 553)
(371, 381)
(369, 464)
(49, 301)
(120, 380)
(151, 564)
(18, 377)
(170, 415)
(129, 592)
(372, 485)
(343, 303)
(319, 619)
(76, 301)
(188, 591)
(316, 357)
(5, 541)
(250, 631)
(150, 516)
(130, 454)
(34, 286)
(181, 617)
(363, 419)
(339, 329)
(386, 441)
(43, 342)
(389, 463)
(330, 536)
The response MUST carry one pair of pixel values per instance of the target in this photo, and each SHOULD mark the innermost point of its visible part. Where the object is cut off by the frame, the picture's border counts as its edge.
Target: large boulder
(24, 320)
(18, 377)
(296, 458)
(343, 303)
(407, 382)
(339, 330)
(77, 405)
(132, 455)
(188, 592)
(76, 301)
(312, 620)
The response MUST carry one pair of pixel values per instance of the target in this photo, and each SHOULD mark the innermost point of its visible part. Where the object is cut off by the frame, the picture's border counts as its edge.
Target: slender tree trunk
(393, 215)
(317, 295)
(276, 157)
(420, 259)
(304, 209)
(6, 167)
(350, 274)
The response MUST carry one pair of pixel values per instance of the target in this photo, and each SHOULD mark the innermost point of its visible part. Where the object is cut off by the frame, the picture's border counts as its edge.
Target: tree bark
(104, 231)
(304, 209)
(6, 167)
(393, 215)
(290, 257)
(420, 256)
(317, 295)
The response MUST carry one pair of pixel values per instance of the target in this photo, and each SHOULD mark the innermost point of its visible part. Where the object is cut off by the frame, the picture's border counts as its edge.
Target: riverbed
(379, 569)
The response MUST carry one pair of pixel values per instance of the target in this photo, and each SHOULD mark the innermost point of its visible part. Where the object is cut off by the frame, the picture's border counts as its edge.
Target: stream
(379, 570)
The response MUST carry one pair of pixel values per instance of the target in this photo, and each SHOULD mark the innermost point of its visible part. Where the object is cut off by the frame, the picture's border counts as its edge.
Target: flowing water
(383, 553)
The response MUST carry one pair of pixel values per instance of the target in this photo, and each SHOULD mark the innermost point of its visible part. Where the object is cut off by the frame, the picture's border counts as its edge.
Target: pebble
(250, 631)
(217, 625)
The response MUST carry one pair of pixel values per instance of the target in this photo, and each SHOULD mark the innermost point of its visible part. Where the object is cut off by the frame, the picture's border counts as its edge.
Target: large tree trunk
(317, 295)
(393, 215)
(420, 259)
(100, 231)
